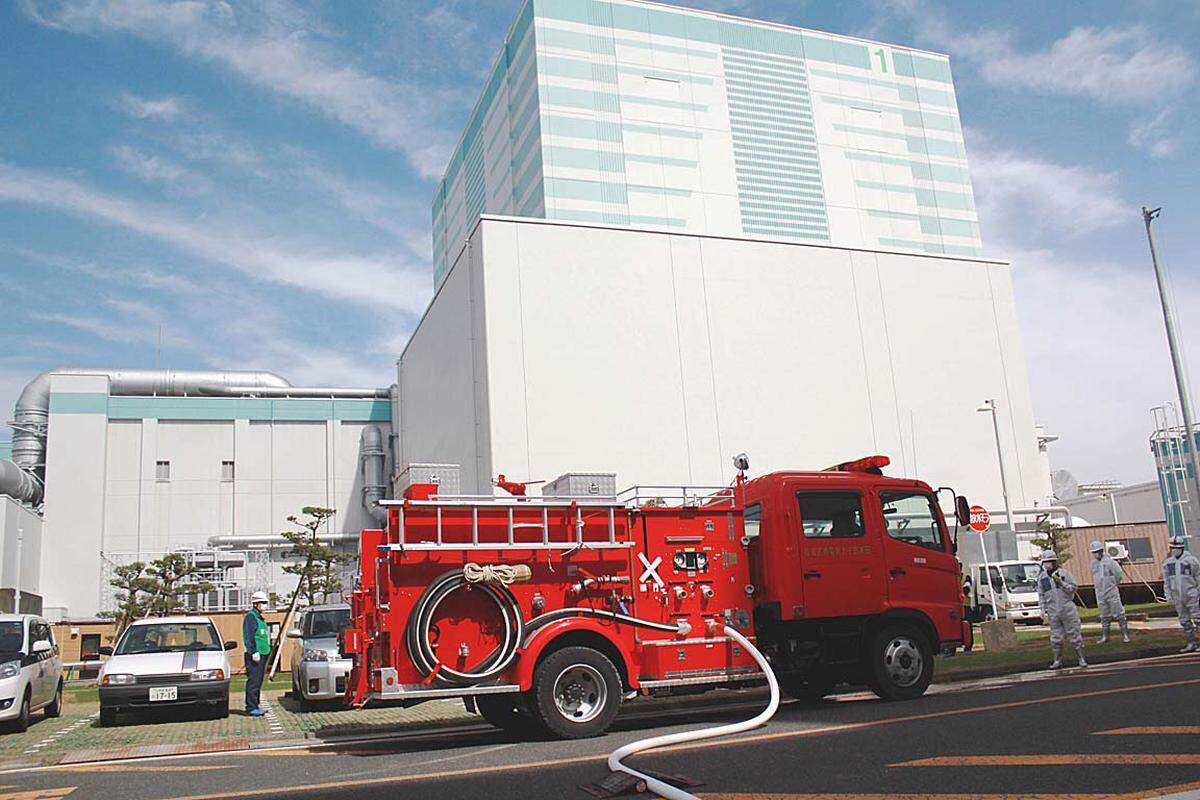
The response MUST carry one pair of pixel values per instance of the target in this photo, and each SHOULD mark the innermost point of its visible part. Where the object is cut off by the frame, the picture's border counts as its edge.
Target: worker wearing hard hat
(1056, 595)
(1107, 577)
(257, 639)
(1181, 580)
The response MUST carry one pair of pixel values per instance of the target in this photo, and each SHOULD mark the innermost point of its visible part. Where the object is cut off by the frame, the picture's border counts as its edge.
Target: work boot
(1082, 660)
(1125, 632)
(1057, 663)
(1104, 629)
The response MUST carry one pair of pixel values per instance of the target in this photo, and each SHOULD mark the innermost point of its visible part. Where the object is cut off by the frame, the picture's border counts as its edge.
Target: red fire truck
(544, 613)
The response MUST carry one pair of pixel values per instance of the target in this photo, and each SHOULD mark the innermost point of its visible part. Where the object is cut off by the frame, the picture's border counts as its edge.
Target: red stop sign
(981, 520)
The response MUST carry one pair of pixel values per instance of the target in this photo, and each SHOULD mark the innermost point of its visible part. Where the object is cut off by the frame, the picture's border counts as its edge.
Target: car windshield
(168, 637)
(326, 623)
(11, 637)
(1017, 577)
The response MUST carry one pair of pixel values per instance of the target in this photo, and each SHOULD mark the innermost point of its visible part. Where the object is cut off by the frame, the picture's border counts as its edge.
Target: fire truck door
(840, 555)
(921, 572)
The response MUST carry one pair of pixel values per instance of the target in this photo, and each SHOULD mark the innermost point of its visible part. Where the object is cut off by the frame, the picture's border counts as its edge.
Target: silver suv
(318, 669)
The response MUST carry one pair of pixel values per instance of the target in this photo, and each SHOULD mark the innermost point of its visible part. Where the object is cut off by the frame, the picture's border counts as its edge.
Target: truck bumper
(190, 693)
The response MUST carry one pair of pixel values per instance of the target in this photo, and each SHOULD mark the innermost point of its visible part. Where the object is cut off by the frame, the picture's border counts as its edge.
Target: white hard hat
(258, 597)
(1097, 546)
(1049, 555)
(1176, 541)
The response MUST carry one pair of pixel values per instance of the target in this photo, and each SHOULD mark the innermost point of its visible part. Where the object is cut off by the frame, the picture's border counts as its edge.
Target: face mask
(1176, 551)
(1099, 556)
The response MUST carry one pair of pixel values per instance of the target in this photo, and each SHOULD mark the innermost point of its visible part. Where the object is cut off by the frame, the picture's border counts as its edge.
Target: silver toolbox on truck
(582, 484)
(446, 476)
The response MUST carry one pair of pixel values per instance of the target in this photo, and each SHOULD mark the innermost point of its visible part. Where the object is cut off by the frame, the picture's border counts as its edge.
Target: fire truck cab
(544, 612)
(855, 578)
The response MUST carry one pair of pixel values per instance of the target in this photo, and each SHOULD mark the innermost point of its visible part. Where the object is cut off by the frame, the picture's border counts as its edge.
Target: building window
(227, 472)
(1139, 549)
(162, 471)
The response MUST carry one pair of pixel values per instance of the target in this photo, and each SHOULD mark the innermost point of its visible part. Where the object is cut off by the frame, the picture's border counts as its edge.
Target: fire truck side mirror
(962, 510)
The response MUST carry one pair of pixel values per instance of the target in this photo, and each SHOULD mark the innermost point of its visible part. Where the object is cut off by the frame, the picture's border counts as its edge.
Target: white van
(30, 670)
(1015, 584)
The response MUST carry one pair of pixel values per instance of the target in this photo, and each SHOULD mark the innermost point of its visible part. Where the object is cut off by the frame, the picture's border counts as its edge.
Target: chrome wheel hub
(903, 661)
(580, 693)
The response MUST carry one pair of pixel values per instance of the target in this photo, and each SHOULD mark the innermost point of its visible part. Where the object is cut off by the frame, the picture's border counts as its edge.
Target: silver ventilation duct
(374, 487)
(293, 391)
(33, 411)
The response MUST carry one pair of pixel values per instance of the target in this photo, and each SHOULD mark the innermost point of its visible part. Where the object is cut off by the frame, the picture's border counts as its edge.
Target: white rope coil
(504, 574)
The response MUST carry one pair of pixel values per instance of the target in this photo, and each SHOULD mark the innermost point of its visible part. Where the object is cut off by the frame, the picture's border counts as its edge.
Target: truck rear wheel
(508, 712)
(575, 693)
(898, 662)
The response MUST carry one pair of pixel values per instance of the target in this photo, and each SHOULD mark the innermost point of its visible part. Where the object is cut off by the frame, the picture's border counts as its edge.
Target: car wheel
(108, 716)
(899, 662)
(508, 712)
(575, 693)
(21, 723)
(221, 709)
(810, 688)
(55, 707)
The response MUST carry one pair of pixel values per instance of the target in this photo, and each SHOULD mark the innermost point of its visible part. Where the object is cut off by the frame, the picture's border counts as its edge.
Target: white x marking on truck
(651, 571)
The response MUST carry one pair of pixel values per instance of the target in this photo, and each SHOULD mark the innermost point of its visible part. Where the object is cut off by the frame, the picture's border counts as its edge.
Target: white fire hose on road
(668, 791)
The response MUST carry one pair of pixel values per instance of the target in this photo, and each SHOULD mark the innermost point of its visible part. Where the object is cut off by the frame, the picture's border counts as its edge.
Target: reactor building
(666, 236)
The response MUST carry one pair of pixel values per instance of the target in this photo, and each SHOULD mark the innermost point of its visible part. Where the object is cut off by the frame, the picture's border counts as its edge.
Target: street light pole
(990, 407)
(1181, 386)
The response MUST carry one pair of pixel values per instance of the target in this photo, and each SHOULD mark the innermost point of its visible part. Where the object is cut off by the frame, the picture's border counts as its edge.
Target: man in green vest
(257, 638)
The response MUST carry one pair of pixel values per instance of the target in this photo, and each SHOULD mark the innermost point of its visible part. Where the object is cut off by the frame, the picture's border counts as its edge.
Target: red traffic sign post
(981, 520)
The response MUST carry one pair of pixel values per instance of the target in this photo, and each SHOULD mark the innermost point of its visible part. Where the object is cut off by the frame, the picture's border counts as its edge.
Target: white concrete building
(556, 346)
(133, 477)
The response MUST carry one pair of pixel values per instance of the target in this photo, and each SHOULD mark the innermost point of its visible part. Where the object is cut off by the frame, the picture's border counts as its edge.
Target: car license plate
(158, 693)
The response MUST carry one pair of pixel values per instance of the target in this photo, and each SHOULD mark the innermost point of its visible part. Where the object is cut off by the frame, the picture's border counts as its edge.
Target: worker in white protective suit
(1106, 577)
(1181, 579)
(1056, 595)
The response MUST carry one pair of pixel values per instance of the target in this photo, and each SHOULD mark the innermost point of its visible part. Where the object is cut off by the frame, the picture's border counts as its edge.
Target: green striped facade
(630, 113)
(220, 408)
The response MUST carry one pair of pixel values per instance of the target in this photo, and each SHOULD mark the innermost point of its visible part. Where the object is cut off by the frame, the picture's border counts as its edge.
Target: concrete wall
(104, 499)
(18, 522)
(1139, 503)
(658, 356)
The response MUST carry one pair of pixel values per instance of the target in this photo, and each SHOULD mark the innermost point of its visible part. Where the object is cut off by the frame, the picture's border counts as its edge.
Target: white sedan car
(166, 662)
(30, 670)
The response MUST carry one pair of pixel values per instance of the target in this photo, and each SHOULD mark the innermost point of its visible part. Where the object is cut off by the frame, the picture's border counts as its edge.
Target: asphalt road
(1126, 730)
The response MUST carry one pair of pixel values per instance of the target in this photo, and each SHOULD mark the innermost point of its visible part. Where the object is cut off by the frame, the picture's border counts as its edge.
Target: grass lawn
(89, 693)
(1033, 652)
(1093, 614)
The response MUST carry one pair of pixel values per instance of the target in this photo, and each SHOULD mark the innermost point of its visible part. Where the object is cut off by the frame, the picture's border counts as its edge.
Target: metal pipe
(374, 488)
(291, 391)
(271, 539)
(32, 412)
(1049, 511)
(18, 484)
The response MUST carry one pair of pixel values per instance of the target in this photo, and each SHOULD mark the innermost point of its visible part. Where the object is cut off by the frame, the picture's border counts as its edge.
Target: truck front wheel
(575, 693)
(899, 662)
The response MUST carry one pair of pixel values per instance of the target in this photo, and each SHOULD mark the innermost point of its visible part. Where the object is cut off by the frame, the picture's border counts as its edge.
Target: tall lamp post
(1181, 387)
(989, 406)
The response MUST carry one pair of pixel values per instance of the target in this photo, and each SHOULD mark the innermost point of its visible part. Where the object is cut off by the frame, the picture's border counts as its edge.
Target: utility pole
(1181, 385)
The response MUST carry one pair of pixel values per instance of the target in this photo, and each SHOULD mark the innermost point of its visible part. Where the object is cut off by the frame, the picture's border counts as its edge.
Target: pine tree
(171, 580)
(1054, 537)
(133, 586)
(315, 566)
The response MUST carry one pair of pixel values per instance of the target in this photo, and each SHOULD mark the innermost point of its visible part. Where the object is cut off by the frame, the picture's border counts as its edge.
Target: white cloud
(1015, 190)
(275, 49)
(157, 169)
(1112, 64)
(157, 108)
(1153, 136)
(380, 280)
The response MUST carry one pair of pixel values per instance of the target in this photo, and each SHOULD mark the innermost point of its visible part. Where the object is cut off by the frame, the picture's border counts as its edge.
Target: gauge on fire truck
(691, 561)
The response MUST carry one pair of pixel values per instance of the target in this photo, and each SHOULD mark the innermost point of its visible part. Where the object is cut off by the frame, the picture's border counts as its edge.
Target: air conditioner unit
(1116, 550)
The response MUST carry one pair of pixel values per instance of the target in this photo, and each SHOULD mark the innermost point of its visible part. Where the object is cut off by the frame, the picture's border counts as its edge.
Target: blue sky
(246, 185)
